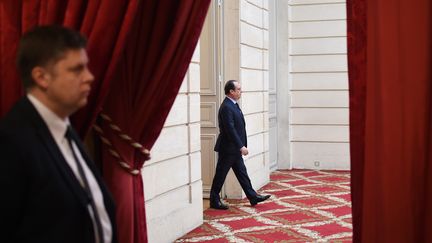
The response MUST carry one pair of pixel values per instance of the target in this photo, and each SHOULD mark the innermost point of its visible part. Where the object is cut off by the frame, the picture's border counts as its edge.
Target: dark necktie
(70, 136)
(238, 106)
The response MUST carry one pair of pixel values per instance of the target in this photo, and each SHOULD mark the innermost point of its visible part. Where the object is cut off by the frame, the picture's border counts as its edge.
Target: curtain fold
(390, 63)
(108, 25)
(151, 72)
(356, 37)
(10, 23)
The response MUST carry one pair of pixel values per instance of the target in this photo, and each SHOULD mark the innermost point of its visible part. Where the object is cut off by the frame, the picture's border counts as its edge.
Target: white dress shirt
(57, 127)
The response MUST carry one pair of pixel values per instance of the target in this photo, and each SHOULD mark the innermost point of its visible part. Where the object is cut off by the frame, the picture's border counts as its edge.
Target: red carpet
(306, 206)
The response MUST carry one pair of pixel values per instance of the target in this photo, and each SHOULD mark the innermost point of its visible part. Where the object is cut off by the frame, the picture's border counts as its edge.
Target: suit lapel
(53, 150)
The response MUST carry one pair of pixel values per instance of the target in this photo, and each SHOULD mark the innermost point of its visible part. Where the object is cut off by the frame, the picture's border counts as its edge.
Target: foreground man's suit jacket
(41, 199)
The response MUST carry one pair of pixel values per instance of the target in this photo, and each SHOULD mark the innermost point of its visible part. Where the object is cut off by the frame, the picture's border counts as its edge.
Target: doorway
(210, 94)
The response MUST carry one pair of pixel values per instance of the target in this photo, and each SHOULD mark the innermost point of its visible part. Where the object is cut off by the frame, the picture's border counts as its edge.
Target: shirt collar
(56, 125)
(235, 102)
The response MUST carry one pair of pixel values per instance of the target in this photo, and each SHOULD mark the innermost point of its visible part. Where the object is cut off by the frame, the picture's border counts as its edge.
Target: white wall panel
(266, 81)
(164, 147)
(266, 158)
(258, 3)
(255, 163)
(195, 107)
(266, 20)
(318, 29)
(335, 116)
(251, 35)
(251, 80)
(266, 44)
(266, 60)
(252, 102)
(320, 133)
(194, 78)
(266, 141)
(195, 166)
(254, 123)
(258, 171)
(251, 13)
(317, 12)
(194, 137)
(319, 99)
(319, 81)
(319, 63)
(180, 116)
(251, 57)
(163, 204)
(255, 144)
(266, 101)
(319, 114)
(325, 45)
(266, 121)
(154, 176)
(266, 4)
(304, 2)
(167, 221)
(330, 156)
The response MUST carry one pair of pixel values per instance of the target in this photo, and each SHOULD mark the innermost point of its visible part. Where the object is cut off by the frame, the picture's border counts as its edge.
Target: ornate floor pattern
(306, 206)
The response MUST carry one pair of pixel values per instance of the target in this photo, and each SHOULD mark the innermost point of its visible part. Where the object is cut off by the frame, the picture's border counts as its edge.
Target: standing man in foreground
(231, 146)
(51, 190)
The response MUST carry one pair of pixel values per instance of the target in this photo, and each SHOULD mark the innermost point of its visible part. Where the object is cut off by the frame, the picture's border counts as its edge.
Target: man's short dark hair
(45, 45)
(229, 85)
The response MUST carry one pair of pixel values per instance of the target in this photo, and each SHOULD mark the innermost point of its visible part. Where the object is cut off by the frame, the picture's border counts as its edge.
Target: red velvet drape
(356, 24)
(105, 23)
(390, 63)
(152, 70)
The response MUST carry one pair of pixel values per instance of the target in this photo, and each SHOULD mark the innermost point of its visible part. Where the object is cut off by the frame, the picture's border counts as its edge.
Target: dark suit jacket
(232, 129)
(41, 199)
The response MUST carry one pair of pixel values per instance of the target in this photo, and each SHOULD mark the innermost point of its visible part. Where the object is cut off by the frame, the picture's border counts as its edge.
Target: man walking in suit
(51, 190)
(231, 145)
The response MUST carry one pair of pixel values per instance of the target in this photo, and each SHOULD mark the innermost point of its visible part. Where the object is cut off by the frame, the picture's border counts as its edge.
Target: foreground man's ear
(40, 76)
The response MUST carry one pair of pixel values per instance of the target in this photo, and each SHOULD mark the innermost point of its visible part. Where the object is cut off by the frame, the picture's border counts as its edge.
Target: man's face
(68, 82)
(236, 93)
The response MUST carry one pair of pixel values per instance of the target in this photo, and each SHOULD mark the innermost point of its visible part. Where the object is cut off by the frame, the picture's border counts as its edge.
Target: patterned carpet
(306, 206)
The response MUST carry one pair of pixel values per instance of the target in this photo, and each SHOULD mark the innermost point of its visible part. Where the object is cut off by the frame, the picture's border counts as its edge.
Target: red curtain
(356, 24)
(105, 23)
(151, 72)
(390, 63)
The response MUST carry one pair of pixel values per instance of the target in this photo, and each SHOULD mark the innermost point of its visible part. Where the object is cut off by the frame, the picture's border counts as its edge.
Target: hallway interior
(306, 206)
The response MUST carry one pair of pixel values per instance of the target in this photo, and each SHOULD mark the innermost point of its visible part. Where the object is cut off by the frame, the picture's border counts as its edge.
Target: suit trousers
(225, 162)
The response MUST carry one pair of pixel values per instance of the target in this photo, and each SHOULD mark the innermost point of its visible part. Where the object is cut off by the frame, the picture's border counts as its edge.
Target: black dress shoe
(218, 205)
(258, 199)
